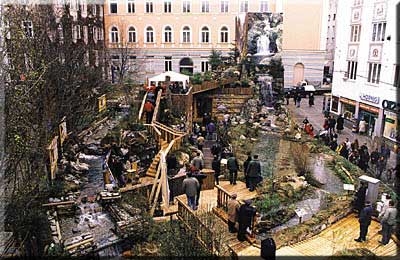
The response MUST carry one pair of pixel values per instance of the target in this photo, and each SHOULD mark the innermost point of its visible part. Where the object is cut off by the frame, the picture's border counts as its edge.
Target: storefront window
(335, 104)
(348, 111)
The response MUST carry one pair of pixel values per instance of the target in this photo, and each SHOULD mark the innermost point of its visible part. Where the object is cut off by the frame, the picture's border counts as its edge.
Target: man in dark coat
(268, 247)
(245, 166)
(216, 166)
(340, 123)
(200, 177)
(245, 218)
(360, 197)
(365, 220)
(311, 100)
(331, 124)
(254, 173)
(233, 167)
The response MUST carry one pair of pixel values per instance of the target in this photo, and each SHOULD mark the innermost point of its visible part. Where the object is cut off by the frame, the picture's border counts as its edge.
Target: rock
(242, 137)
(298, 136)
(92, 225)
(75, 230)
(84, 199)
(323, 227)
(53, 228)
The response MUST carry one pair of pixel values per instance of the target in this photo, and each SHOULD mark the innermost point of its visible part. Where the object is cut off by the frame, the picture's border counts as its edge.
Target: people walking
(190, 186)
(149, 109)
(200, 142)
(216, 166)
(385, 152)
(380, 167)
(388, 221)
(362, 127)
(360, 197)
(199, 177)
(311, 99)
(298, 99)
(365, 220)
(340, 123)
(268, 247)
(331, 124)
(233, 167)
(233, 211)
(198, 162)
(246, 216)
(254, 172)
(245, 166)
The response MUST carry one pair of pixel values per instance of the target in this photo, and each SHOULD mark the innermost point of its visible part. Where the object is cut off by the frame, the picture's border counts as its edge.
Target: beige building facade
(178, 35)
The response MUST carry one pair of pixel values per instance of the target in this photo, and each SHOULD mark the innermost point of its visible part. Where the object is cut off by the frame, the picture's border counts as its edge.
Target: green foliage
(268, 202)
(197, 78)
(186, 72)
(207, 76)
(215, 60)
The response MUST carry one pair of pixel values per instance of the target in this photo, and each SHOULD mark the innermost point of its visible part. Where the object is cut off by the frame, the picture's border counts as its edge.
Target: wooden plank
(53, 204)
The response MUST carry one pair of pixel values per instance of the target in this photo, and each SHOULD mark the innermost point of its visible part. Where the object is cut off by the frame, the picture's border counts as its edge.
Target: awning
(173, 76)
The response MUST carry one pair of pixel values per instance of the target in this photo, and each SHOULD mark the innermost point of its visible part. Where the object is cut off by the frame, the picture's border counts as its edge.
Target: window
(224, 34)
(224, 6)
(244, 6)
(352, 69)
(204, 66)
(28, 28)
(167, 34)
(149, 7)
(113, 7)
(263, 6)
(374, 72)
(100, 34)
(167, 6)
(378, 32)
(132, 34)
(85, 34)
(149, 34)
(205, 35)
(114, 35)
(130, 6)
(94, 10)
(168, 63)
(396, 81)
(186, 34)
(186, 6)
(205, 6)
(76, 32)
(355, 33)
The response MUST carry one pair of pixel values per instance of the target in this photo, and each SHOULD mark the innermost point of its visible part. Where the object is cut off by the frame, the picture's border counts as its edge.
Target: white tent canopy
(173, 76)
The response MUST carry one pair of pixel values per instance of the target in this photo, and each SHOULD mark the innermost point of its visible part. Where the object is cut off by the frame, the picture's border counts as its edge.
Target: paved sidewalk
(316, 118)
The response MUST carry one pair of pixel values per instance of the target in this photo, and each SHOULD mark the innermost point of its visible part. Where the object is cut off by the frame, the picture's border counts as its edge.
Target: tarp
(174, 76)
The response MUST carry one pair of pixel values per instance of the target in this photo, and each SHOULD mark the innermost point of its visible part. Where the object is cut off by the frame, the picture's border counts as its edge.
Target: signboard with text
(390, 130)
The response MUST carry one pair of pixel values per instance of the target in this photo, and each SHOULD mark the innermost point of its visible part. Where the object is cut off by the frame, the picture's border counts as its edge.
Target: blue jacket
(365, 216)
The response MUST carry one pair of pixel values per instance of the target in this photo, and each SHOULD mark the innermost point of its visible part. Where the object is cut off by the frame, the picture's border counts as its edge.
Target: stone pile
(54, 226)
(126, 222)
(80, 245)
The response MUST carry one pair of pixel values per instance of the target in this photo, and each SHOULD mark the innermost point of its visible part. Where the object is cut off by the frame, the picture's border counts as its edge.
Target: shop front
(348, 108)
(391, 121)
(370, 115)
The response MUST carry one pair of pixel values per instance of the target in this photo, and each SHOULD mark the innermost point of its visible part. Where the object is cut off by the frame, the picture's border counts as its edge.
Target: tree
(215, 60)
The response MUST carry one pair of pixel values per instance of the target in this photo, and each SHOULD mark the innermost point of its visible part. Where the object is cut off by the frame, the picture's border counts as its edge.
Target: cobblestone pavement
(316, 118)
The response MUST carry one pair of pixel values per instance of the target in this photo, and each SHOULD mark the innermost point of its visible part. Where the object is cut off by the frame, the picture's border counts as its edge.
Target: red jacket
(148, 106)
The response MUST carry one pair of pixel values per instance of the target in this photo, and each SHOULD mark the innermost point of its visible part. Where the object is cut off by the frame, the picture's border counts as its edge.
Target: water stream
(267, 148)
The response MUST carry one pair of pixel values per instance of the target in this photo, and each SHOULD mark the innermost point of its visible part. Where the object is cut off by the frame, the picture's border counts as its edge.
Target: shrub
(197, 79)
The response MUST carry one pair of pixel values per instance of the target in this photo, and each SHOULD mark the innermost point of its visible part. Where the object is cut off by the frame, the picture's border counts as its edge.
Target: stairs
(152, 170)
(208, 157)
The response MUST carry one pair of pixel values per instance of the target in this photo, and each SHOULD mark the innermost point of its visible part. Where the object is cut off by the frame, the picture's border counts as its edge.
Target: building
(366, 75)
(331, 38)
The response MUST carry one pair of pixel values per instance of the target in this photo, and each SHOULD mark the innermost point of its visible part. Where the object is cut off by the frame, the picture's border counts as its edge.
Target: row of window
(373, 74)
(186, 6)
(186, 35)
(378, 32)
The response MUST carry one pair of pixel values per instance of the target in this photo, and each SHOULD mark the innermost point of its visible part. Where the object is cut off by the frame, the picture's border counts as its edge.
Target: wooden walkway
(338, 237)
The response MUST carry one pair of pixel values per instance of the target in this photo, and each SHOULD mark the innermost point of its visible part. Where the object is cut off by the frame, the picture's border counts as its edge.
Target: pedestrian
(340, 123)
(333, 144)
(298, 99)
(348, 144)
(385, 152)
(149, 109)
(388, 221)
(365, 220)
(305, 121)
(200, 142)
(233, 211)
(342, 150)
(311, 99)
(287, 97)
(198, 162)
(354, 157)
(385, 206)
(245, 166)
(190, 186)
(210, 130)
(246, 216)
(354, 145)
(199, 177)
(233, 167)
(311, 131)
(268, 247)
(331, 124)
(254, 172)
(380, 167)
(216, 166)
(360, 197)
(326, 124)
(216, 149)
(362, 127)
(364, 157)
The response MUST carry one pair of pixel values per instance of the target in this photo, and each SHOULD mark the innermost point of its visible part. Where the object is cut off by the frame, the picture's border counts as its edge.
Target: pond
(267, 148)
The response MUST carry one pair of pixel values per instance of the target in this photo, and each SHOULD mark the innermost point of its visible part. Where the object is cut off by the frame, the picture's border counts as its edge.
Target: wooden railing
(157, 106)
(193, 222)
(142, 107)
(222, 198)
(205, 86)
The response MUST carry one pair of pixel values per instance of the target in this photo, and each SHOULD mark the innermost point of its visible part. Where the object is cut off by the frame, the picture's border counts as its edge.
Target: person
(216, 149)
(362, 127)
(380, 167)
(340, 123)
(210, 130)
(365, 220)
(198, 162)
(149, 109)
(233, 166)
(200, 142)
(199, 177)
(348, 144)
(331, 124)
(245, 166)
(388, 221)
(233, 210)
(360, 197)
(385, 152)
(287, 97)
(325, 126)
(354, 145)
(385, 206)
(298, 99)
(268, 247)
(364, 157)
(354, 157)
(305, 121)
(190, 186)
(375, 155)
(333, 144)
(254, 172)
(246, 216)
(216, 166)
(311, 99)
(323, 105)
(310, 130)
(342, 150)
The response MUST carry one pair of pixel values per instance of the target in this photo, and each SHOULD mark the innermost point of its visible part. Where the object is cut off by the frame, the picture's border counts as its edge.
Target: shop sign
(390, 129)
(369, 108)
(369, 98)
(348, 101)
(391, 105)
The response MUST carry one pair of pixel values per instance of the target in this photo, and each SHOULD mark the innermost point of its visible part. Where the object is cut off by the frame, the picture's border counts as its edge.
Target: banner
(102, 102)
(53, 156)
(391, 123)
(63, 132)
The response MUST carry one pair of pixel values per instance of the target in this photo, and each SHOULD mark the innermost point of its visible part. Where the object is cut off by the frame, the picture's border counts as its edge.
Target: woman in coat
(340, 123)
